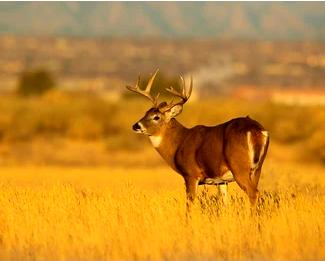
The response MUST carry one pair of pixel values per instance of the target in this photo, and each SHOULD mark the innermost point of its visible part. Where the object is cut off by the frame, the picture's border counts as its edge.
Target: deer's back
(204, 148)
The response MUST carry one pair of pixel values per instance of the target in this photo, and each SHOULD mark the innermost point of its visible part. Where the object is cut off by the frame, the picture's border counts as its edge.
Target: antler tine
(173, 91)
(183, 94)
(190, 89)
(137, 85)
(147, 90)
(150, 82)
(183, 86)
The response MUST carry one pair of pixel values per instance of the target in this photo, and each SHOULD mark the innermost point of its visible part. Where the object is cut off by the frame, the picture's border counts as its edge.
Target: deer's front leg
(191, 185)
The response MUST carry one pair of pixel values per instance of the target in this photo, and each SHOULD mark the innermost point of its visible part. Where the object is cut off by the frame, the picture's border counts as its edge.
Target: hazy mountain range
(257, 20)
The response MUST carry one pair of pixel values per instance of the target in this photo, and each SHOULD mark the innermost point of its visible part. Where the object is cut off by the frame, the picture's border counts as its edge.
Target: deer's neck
(168, 140)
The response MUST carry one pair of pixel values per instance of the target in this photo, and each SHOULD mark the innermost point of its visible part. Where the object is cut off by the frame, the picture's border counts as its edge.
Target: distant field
(67, 129)
(124, 213)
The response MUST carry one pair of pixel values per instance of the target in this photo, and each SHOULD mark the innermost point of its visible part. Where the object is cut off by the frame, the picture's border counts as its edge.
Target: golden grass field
(77, 184)
(102, 213)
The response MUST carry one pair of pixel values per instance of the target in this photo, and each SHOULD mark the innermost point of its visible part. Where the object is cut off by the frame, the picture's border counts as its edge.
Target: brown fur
(208, 152)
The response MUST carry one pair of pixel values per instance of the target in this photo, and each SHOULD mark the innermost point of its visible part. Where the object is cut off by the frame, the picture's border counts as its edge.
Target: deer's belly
(226, 177)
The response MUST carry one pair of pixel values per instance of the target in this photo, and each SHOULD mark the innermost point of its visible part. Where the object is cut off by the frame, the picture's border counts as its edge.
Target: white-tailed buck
(231, 151)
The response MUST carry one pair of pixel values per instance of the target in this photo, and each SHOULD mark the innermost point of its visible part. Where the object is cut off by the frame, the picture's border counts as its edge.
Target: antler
(146, 92)
(184, 94)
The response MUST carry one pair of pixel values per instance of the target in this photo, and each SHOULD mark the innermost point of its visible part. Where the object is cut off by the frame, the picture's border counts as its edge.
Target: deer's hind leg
(245, 155)
(242, 178)
(240, 165)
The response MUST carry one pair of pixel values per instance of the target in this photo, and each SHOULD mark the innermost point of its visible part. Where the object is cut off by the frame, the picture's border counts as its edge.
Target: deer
(233, 151)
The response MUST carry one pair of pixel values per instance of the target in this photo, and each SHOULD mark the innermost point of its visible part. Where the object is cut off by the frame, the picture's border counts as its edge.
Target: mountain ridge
(271, 20)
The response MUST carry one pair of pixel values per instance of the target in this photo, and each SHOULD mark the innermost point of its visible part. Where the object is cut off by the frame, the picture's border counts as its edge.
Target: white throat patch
(155, 140)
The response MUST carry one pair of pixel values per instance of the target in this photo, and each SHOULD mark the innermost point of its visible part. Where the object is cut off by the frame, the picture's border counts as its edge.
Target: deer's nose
(136, 127)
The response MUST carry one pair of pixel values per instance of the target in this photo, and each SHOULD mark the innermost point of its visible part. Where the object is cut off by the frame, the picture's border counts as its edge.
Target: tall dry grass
(123, 214)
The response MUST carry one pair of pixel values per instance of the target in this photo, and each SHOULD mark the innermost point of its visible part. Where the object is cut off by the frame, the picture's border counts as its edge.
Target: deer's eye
(156, 118)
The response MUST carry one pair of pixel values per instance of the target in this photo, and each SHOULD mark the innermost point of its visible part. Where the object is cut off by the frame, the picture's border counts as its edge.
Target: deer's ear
(173, 111)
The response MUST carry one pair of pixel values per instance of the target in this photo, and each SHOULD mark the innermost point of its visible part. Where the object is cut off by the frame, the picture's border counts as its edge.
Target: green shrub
(35, 82)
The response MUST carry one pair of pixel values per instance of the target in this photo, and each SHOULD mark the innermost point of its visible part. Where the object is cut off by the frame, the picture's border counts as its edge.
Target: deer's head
(160, 113)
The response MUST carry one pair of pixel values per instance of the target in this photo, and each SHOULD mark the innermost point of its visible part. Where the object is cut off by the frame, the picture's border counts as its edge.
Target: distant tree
(35, 82)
